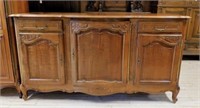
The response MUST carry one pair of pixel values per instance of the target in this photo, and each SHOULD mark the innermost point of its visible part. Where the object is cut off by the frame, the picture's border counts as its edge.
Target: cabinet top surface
(98, 15)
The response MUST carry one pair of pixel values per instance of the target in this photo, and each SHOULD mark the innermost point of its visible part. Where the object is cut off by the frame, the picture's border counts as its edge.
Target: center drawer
(39, 25)
(160, 26)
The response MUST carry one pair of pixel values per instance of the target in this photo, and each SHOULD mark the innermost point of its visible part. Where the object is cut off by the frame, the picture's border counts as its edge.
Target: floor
(189, 96)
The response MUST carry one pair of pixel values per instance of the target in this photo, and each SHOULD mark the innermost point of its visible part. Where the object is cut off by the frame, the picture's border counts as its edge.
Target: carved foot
(174, 94)
(18, 90)
(20, 95)
(24, 92)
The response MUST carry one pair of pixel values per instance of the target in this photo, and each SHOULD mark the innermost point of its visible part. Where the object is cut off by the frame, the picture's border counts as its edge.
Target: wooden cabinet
(6, 72)
(193, 32)
(100, 51)
(8, 78)
(124, 53)
(190, 8)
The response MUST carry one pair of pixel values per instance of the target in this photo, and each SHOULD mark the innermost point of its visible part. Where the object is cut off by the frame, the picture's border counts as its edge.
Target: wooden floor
(189, 96)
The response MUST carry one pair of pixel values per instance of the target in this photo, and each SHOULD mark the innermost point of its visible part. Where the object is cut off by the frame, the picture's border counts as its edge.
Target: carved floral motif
(76, 26)
(120, 26)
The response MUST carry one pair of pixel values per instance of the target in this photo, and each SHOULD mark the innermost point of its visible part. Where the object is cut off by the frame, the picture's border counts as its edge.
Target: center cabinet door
(99, 55)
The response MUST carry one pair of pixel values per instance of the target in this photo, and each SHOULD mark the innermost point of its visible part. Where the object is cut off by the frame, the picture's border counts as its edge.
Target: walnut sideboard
(100, 53)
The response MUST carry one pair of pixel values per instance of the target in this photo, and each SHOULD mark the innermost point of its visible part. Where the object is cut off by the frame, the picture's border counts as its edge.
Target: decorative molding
(76, 26)
(122, 27)
(35, 39)
(172, 39)
(99, 31)
(164, 41)
(29, 37)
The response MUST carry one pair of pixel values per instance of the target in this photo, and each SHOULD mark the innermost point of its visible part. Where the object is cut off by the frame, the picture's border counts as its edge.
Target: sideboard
(100, 53)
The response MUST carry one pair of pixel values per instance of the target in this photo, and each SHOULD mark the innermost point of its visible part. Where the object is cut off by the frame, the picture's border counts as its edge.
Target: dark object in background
(90, 6)
(153, 5)
(136, 6)
(54, 6)
(193, 57)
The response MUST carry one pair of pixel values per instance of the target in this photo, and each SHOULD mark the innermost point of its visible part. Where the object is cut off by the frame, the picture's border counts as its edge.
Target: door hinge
(73, 53)
(138, 60)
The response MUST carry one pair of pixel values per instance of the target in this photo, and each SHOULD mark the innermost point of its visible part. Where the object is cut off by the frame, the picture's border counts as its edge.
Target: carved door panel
(41, 58)
(158, 56)
(99, 53)
(6, 72)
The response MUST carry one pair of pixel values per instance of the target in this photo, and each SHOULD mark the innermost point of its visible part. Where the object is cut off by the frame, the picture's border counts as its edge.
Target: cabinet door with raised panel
(158, 58)
(99, 56)
(41, 58)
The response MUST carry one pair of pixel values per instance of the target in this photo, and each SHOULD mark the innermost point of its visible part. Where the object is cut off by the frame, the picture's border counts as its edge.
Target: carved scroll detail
(76, 26)
(122, 27)
(170, 39)
(29, 37)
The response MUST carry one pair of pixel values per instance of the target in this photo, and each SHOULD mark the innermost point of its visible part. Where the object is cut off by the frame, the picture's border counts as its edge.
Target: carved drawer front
(160, 26)
(39, 25)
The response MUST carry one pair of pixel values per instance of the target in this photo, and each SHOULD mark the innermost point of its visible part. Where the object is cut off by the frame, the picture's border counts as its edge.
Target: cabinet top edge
(99, 15)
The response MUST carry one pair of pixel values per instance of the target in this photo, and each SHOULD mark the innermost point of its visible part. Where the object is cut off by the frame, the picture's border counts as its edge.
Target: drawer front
(39, 25)
(179, 3)
(173, 3)
(160, 26)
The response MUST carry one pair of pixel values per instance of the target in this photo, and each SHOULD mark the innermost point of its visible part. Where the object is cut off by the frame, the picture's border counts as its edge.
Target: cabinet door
(99, 53)
(41, 58)
(158, 58)
(6, 72)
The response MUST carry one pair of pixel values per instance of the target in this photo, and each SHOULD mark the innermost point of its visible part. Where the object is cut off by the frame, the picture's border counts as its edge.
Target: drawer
(160, 26)
(39, 25)
(173, 3)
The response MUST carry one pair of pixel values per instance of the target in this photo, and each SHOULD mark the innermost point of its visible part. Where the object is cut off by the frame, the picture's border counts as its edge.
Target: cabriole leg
(174, 94)
(24, 92)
